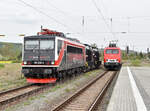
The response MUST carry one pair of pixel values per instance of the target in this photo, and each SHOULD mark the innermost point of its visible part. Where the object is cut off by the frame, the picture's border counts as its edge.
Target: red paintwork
(57, 62)
(50, 32)
(112, 56)
(60, 56)
(71, 57)
(47, 80)
(79, 46)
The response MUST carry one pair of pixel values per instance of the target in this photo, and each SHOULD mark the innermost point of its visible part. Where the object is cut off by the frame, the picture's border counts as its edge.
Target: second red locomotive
(112, 57)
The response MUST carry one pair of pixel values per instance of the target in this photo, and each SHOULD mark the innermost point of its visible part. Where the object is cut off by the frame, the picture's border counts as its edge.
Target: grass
(11, 76)
(27, 103)
(55, 88)
(91, 73)
(67, 90)
(136, 62)
(2, 66)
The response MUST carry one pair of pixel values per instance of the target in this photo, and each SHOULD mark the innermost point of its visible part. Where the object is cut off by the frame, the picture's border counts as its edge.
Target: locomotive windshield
(46, 44)
(31, 44)
(36, 44)
(112, 51)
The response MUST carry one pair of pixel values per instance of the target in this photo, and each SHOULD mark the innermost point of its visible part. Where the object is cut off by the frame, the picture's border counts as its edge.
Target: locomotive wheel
(60, 76)
(69, 73)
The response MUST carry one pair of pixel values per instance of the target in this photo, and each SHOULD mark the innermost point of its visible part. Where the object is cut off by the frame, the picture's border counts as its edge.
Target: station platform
(132, 90)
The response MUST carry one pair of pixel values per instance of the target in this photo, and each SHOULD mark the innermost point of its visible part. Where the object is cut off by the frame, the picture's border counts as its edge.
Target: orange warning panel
(47, 80)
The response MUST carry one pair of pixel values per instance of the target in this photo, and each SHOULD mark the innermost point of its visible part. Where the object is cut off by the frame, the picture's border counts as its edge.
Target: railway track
(13, 95)
(88, 97)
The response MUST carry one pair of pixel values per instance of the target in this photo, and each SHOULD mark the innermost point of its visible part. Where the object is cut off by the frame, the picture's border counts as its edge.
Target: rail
(72, 100)
(14, 95)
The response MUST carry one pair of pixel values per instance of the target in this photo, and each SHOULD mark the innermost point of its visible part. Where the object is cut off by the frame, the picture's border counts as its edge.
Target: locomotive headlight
(117, 60)
(25, 62)
(53, 62)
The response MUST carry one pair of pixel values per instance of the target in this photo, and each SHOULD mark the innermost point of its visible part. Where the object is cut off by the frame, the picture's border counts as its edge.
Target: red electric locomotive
(50, 55)
(112, 57)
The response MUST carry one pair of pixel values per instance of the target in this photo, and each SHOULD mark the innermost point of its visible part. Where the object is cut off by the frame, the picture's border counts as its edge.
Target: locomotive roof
(52, 37)
(40, 36)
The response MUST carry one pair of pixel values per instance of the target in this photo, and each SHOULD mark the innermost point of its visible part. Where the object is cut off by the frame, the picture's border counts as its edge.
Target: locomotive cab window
(59, 46)
(31, 44)
(39, 44)
(46, 44)
(112, 51)
(115, 51)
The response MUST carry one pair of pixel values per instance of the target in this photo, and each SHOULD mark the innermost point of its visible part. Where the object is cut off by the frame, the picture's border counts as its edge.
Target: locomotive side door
(61, 52)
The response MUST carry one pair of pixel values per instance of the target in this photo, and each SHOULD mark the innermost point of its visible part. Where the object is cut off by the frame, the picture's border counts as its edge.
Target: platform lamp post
(22, 35)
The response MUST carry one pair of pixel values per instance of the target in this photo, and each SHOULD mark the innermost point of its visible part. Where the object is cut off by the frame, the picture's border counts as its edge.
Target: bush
(16, 61)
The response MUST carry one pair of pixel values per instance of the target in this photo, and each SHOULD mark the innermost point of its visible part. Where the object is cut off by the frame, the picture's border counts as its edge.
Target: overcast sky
(130, 16)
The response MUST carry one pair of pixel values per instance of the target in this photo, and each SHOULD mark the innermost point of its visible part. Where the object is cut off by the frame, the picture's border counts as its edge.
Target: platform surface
(132, 90)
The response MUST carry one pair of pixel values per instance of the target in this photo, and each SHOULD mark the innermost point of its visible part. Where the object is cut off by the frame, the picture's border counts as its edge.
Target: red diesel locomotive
(112, 57)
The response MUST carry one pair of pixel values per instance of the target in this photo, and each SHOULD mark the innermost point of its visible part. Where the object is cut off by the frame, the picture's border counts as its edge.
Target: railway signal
(127, 49)
(147, 50)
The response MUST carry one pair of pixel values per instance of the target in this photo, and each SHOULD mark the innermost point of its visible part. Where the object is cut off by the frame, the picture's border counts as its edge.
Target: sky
(130, 20)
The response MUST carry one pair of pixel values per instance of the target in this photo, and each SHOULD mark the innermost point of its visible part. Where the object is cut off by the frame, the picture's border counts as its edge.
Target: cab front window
(46, 44)
(112, 51)
(31, 44)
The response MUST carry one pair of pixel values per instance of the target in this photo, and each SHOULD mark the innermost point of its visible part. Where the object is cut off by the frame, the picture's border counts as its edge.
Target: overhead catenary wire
(66, 14)
(101, 14)
(59, 10)
(45, 14)
(66, 26)
(113, 32)
(102, 4)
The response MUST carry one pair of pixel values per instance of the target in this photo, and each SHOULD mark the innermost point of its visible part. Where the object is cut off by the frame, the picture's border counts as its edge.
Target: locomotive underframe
(112, 65)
